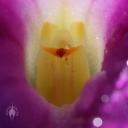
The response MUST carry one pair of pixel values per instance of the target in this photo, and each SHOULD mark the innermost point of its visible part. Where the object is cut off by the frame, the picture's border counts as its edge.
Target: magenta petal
(104, 101)
(32, 110)
(103, 104)
(116, 53)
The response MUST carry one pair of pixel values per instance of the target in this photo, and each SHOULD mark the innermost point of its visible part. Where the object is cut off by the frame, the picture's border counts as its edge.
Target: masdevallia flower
(63, 64)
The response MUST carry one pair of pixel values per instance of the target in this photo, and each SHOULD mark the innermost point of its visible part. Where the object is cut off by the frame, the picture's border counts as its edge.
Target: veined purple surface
(103, 102)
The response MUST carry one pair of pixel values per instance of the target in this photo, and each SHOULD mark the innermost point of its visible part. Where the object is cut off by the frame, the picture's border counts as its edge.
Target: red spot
(61, 52)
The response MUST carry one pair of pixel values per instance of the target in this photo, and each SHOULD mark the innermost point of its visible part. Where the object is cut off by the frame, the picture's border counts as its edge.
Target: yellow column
(62, 71)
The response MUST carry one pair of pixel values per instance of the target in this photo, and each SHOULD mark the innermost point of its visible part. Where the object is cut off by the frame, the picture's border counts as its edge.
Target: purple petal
(32, 110)
(116, 53)
(103, 102)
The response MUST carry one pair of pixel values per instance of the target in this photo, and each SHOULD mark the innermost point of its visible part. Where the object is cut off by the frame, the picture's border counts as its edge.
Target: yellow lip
(62, 66)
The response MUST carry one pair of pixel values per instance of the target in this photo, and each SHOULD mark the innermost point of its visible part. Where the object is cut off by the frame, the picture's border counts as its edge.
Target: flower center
(62, 65)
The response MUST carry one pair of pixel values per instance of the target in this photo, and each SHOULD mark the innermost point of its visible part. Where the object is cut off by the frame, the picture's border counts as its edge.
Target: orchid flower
(63, 64)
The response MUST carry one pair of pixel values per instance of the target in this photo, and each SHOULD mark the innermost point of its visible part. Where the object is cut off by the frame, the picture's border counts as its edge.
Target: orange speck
(61, 52)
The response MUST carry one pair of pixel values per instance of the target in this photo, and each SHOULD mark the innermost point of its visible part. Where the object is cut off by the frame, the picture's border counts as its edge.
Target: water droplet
(105, 98)
(127, 62)
(97, 122)
(97, 37)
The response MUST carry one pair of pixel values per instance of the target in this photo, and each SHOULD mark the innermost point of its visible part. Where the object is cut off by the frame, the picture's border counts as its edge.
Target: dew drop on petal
(97, 122)
(97, 37)
(105, 98)
(127, 62)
